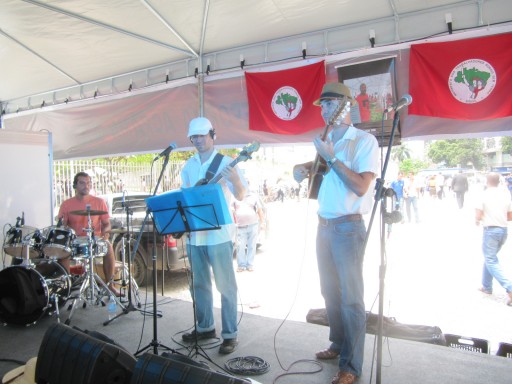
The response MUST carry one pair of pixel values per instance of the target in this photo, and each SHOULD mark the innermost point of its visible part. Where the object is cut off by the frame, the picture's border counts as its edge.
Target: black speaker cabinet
(69, 356)
(177, 369)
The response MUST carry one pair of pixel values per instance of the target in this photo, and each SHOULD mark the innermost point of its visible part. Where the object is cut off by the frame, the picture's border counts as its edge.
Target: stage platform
(280, 343)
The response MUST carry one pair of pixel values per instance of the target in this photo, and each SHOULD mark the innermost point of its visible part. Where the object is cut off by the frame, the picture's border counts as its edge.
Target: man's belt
(340, 219)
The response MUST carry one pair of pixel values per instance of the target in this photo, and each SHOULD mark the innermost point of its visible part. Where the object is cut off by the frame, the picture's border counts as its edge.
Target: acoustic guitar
(318, 168)
(244, 155)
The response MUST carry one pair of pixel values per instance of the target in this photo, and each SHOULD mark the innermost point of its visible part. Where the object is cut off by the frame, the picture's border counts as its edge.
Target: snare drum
(81, 247)
(58, 241)
(27, 292)
(14, 243)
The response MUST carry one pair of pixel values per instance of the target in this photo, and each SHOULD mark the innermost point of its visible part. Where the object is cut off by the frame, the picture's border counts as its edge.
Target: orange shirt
(79, 223)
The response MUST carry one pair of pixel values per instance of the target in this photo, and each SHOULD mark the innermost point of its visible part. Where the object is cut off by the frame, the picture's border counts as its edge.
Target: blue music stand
(189, 209)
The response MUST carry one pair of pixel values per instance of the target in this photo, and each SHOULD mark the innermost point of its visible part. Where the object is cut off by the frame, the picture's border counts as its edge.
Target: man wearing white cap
(345, 195)
(213, 248)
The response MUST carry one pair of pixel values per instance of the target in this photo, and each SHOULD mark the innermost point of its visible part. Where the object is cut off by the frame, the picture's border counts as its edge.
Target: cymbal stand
(90, 291)
(132, 285)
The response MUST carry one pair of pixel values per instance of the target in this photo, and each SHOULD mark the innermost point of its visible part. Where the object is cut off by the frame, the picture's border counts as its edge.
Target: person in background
(100, 223)
(460, 187)
(493, 211)
(412, 187)
(249, 219)
(398, 186)
(345, 194)
(212, 249)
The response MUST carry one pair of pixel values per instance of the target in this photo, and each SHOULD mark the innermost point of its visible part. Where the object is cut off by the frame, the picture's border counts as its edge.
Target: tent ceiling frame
(194, 64)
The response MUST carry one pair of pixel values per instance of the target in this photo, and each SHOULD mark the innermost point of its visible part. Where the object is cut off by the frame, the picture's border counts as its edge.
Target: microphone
(22, 222)
(88, 207)
(166, 151)
(59, 223)
(404, 101)
(122, 201)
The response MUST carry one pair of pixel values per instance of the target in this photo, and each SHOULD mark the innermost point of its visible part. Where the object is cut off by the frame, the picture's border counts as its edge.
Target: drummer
(100, 222)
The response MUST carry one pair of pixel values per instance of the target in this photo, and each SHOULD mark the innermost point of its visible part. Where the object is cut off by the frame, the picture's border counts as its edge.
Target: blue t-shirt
(398, 187)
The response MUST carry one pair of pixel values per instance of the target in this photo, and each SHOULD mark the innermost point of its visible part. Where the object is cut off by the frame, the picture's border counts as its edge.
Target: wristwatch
(331, 162)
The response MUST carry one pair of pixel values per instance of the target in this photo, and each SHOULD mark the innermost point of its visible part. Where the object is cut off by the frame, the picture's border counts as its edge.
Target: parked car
(171, 252)
(140, 240)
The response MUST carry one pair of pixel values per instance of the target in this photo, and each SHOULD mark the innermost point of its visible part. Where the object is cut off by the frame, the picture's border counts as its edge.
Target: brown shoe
(344, 378)
(327, 354)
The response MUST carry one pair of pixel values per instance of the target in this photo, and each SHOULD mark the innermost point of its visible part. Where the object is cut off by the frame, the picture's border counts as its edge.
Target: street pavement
(433, 271)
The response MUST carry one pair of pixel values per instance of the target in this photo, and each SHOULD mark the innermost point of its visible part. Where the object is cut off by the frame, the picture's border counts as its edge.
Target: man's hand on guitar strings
(300, 172)
(230, 173)
(324, 148)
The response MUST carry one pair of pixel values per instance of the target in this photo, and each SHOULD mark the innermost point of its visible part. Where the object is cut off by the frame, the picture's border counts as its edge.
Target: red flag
(282, 101)
(465, 80)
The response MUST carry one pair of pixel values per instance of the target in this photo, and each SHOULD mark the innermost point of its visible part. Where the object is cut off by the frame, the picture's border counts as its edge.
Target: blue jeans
(340, 265)
(220, 258)
(246, 238)
(412, 200)
(493, 240)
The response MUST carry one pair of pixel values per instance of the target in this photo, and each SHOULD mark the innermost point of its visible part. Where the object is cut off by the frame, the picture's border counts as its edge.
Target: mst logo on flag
(465, 80)
(281, 102)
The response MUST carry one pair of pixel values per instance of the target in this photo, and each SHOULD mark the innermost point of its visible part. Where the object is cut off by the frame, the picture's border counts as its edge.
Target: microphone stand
(380, 195)
(154, 342)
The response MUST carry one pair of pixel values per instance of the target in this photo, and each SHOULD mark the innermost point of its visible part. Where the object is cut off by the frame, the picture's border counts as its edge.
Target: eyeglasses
(197, 137)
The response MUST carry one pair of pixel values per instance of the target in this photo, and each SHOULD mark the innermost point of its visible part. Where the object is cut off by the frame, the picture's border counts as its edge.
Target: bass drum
(28, 292)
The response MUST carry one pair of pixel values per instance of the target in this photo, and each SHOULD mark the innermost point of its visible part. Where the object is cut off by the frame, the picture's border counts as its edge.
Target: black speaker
(177, 369)
(69, 356)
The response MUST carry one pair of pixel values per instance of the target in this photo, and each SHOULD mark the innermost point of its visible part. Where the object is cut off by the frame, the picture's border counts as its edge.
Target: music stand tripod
(190, 210)
(132, 285)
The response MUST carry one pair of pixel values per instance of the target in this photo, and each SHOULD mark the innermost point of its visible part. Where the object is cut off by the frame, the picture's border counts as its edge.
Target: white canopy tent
(120, 76)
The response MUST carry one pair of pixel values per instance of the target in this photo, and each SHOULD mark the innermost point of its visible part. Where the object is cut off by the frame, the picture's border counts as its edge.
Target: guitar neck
(218, 176)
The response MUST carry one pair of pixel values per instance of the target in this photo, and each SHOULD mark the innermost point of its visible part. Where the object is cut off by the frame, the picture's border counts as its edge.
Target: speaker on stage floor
(67, 355)
(177, 369)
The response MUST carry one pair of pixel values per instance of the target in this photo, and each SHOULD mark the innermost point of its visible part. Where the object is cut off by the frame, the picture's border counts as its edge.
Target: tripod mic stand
(132, 286)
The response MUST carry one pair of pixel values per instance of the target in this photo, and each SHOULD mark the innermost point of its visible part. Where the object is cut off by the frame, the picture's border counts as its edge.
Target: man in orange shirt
(79, 223)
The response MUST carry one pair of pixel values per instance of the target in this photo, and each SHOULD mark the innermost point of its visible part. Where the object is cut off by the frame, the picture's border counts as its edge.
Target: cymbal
(87, 213)
(118, 230)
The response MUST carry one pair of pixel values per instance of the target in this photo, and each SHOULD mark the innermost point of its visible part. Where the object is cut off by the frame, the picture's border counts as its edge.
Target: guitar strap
(214, 166)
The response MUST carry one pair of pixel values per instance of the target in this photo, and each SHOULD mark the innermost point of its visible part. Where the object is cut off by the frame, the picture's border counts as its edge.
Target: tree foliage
(400, 153)
(412, 165)
(506, 145)
(457, 152)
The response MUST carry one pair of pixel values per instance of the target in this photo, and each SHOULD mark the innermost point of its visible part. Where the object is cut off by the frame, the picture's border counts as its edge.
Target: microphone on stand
(22, 222)
(166, 151)
(59, 223)
(404, 101)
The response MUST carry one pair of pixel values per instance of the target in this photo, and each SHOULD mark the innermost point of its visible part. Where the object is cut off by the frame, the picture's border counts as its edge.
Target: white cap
(199, 126)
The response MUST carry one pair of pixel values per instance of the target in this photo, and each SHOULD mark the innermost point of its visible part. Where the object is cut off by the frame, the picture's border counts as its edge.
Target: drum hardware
(93, 288)
(89, 212)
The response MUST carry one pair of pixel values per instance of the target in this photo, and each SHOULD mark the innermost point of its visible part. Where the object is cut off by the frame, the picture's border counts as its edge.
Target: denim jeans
(220, 258)
(412, 200)
(246, 237)
(493, 240)
(340, 265)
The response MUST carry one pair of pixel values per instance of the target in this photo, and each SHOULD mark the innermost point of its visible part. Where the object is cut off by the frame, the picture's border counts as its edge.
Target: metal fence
(111, 177)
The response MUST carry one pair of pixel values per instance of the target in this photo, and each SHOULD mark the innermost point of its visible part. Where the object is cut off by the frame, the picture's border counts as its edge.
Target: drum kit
(37, 284)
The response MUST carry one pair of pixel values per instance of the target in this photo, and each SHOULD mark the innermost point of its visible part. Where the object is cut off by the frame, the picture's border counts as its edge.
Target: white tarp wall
(26, 180)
